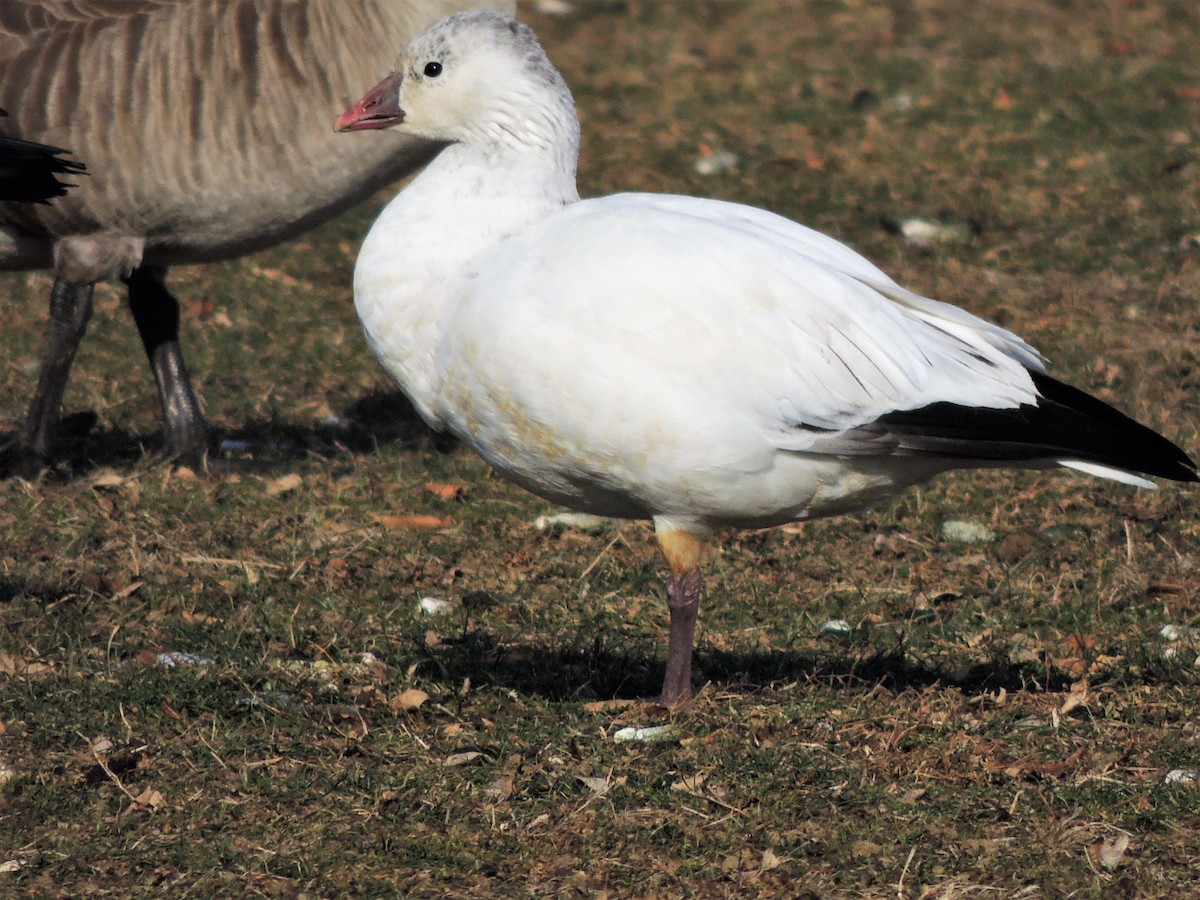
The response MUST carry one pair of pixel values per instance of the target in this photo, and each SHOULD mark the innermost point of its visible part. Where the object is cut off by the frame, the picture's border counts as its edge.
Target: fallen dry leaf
(409, 699)
(1108, 855)
(1161, 586)
(463, 757)
(262, 763)
(599, 786)
(866, 848)
(596, 706)
(413, 522)
(1078, 697)
(102, 583)
(445, 491)
(1053, 769)
(149, 800)
(25, 668)
(283, 484)
(689, 782)
(128, 590)
(192, 618)
(502, 787)
(108, 479)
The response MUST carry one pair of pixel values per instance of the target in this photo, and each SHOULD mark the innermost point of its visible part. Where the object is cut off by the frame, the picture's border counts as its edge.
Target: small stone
(715, 162)
(1182, 776)
(654, 734)
(836, 627)
(575, 520)
(962, 531)
(923, 232)
(434, 606)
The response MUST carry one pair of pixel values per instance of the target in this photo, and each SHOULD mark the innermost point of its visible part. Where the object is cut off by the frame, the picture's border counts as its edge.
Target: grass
(997, 720)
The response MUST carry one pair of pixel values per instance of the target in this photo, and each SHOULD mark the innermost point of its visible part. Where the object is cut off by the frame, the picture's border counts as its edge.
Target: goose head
(476, 77)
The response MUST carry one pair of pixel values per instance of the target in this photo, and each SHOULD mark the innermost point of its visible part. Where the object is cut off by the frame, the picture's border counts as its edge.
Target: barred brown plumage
(205, 128)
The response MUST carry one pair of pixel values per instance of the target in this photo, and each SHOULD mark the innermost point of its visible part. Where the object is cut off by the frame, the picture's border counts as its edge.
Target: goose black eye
(433, 69)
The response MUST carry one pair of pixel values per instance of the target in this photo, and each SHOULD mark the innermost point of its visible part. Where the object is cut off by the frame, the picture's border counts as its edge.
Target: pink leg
(683, 600)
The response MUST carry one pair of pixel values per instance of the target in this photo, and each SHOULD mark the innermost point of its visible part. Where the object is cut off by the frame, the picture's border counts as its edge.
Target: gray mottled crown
(478, 30)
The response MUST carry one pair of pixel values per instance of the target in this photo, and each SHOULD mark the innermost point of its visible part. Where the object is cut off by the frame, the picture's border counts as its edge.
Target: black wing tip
(1066, 424)
(29, 171)
(1184, 471)
(1132, 445)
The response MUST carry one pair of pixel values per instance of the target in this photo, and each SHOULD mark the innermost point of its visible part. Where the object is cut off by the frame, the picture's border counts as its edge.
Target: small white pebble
(715, 163)
(434, 606)
(654, 734)
(553, 7)
(576, 520)
(961, 531)
(923, 232)
(1182, 776)
(333, 420)
(1172, 633)
(839, 627)
(173, 658)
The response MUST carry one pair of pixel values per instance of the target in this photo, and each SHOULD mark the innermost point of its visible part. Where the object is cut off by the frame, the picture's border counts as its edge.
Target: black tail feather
(28, 171)
(1066, 424)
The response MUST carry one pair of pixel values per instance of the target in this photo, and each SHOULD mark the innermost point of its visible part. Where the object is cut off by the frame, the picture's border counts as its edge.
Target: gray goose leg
(70, 310)
(156, 312)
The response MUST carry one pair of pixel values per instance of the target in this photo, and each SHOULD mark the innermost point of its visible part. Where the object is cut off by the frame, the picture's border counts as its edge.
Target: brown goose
(205, 125)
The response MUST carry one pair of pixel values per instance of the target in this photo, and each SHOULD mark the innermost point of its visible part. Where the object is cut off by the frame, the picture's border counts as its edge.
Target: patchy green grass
(998, 720)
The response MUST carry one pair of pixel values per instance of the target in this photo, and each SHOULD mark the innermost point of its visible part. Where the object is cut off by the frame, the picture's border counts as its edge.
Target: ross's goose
(203, 123)
(698, 363)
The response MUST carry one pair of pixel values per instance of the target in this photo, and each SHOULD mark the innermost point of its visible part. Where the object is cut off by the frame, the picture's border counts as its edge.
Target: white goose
(695, 362)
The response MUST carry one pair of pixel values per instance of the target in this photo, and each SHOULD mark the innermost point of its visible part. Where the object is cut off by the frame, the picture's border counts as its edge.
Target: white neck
(471, 196)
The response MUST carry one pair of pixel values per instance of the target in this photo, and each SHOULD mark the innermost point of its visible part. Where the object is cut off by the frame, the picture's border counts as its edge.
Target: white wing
(702, 309)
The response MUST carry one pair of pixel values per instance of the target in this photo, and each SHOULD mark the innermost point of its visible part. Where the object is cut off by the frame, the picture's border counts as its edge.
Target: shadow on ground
(377, 419)
(597, 673)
